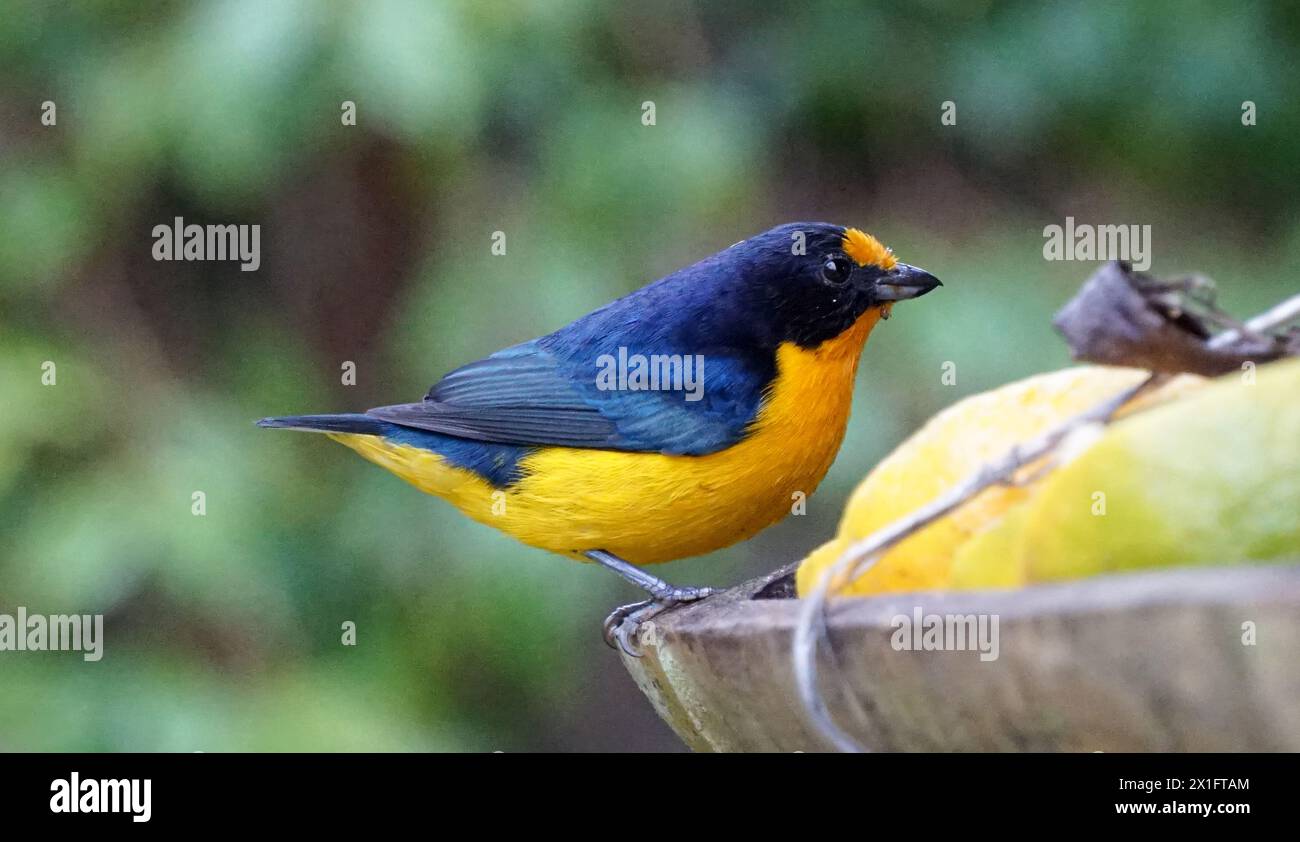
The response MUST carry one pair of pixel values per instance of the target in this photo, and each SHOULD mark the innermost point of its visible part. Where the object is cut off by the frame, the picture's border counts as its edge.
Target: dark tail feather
(350, 423)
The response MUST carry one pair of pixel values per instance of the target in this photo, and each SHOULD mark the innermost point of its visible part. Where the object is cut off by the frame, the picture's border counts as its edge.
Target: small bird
(677, 420)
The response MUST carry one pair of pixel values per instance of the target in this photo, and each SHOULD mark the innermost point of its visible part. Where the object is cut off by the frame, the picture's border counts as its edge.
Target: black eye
(836, 270)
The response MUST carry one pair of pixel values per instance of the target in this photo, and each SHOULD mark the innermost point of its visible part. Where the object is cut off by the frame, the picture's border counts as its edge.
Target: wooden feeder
(1192, 659)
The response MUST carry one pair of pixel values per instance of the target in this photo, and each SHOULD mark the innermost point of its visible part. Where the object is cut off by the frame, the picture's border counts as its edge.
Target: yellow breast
(652, 507)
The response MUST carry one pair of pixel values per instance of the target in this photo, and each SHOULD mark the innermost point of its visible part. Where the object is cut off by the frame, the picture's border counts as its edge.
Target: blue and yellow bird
(677, 420)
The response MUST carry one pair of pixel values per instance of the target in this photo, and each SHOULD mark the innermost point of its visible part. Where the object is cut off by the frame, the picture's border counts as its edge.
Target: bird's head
(810, 281)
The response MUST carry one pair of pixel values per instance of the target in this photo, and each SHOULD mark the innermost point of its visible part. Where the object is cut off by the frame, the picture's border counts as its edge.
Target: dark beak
(904, 282)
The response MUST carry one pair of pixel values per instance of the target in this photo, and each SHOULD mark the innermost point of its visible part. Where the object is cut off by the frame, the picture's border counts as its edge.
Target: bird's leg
(659, 590)
(621, 625)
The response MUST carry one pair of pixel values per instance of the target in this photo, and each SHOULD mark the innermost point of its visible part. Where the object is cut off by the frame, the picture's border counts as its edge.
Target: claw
(626, 636)
(614, 622)
(621, 626)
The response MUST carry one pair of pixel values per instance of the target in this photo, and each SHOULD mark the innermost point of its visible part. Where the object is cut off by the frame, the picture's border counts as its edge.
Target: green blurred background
(223, 631)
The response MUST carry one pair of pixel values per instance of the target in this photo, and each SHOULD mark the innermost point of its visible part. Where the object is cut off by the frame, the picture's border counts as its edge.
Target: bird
(682, 418)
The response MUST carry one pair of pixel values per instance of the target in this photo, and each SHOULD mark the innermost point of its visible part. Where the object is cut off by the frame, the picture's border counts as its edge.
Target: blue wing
(548, 392)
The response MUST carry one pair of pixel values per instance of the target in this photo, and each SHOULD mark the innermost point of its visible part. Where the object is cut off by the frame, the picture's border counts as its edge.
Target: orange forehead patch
(867, 250)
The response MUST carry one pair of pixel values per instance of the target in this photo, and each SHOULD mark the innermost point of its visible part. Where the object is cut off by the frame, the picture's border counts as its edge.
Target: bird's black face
(816, 280)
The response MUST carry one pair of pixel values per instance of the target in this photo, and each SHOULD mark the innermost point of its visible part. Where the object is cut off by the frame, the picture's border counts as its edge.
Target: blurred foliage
(523, 117)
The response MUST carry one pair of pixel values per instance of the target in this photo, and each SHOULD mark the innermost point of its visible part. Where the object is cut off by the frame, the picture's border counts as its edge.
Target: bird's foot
(623, 623)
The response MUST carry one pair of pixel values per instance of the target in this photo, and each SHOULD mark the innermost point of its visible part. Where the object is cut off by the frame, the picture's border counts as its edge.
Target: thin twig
(1281, 314)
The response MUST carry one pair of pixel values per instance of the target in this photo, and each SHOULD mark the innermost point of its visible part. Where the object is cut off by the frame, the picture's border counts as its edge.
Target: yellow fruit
(943, 453)
(992, 558)
(1211, 479)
